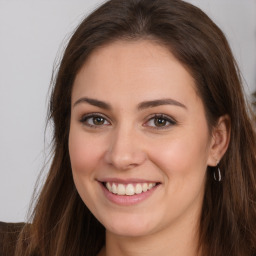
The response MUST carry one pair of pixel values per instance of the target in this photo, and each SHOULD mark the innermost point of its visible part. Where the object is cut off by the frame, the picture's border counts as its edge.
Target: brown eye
(159, 122)
(94, 120)
(98, 120)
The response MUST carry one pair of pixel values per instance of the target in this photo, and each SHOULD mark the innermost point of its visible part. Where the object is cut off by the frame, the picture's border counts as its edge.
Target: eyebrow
(141, 106)
(160, 102)
(94, 102)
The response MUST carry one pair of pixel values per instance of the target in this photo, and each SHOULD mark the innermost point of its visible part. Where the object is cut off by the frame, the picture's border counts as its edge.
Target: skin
(129, 144)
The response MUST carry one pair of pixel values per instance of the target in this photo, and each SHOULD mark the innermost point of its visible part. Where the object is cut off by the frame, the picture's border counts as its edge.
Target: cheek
(84, 153)
(181, 154)
(84, 156)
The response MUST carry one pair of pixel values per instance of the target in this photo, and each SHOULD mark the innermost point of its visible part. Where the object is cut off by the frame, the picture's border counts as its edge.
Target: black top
(8, 237)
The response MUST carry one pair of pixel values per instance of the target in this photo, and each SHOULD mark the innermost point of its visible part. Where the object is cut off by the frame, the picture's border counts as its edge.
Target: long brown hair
(62, 225)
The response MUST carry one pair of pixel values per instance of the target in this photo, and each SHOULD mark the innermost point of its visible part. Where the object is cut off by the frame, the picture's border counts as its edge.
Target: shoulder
(9, 233)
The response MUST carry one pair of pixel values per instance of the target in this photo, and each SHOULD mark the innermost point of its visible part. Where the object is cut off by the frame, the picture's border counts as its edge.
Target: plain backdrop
(32, 35)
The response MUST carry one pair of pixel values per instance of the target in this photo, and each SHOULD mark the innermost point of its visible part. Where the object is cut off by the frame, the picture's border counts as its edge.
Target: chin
(131, 227)
(128, 231)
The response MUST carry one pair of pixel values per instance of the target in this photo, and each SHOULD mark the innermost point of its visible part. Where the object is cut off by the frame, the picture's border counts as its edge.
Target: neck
(176, 242)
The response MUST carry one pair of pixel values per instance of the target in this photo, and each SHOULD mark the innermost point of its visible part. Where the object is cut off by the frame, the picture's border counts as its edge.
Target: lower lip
(127, 200)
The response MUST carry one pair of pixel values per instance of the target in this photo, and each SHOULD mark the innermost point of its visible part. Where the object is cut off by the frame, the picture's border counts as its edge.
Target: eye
(94, 120)
(160, 122)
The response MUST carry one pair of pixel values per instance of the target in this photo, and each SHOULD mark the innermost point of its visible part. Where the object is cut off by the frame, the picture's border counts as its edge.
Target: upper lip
(127, 181)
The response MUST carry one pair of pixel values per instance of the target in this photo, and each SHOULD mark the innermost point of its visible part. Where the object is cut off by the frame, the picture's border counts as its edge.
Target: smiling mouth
(129, 189)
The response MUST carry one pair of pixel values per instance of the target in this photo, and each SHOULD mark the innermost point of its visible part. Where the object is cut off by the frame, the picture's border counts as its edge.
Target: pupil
(160, 122)
(98, 120)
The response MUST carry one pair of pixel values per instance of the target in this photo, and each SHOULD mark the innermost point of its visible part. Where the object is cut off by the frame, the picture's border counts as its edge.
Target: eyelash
(85, 120)
(165, 118)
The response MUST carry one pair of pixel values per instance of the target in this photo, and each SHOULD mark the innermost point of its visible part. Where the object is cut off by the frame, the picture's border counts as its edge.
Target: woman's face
(139, 142)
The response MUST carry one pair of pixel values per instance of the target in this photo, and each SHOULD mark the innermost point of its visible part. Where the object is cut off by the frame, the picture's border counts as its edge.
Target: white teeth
(121, 189)
(144, 187)
(114, 189)
(138, 188)
(108, 186)
(129, 189)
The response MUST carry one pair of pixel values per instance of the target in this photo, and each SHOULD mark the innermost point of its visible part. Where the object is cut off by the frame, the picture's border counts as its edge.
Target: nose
(125, 149)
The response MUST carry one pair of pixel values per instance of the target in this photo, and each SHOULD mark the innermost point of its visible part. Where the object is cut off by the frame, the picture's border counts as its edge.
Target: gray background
(32, 34)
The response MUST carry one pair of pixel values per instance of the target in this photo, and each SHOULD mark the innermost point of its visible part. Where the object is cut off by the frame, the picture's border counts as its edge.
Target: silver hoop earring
(217, 174)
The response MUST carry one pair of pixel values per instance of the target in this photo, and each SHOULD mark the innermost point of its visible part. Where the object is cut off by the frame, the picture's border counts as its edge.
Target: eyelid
(91, 115)
(169, 119)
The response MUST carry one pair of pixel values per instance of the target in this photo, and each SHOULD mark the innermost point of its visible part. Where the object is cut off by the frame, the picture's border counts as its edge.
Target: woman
(154, 150)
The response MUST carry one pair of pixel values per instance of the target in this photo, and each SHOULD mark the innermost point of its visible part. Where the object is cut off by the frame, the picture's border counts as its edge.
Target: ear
(219, 140)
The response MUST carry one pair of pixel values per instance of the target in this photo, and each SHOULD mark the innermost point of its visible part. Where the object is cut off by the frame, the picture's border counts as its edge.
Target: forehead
(134, 69)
